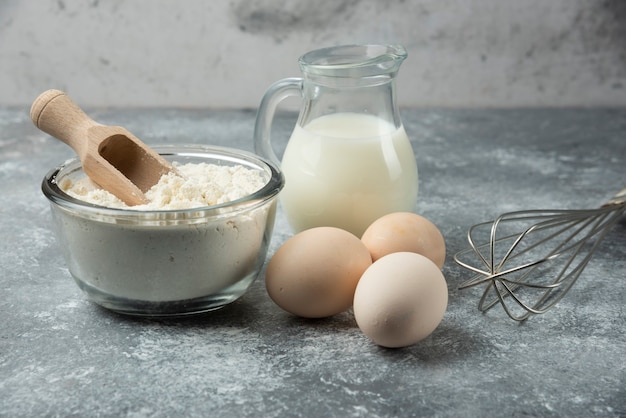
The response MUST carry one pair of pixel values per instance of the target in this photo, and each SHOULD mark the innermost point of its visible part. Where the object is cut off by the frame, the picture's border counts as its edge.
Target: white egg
(400, 299)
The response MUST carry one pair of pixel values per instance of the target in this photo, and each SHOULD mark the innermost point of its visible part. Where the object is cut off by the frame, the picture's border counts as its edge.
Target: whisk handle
(618, 199)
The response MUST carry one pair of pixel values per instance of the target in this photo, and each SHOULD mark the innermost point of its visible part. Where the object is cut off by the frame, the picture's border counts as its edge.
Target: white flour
(201, 184)
(173, 261)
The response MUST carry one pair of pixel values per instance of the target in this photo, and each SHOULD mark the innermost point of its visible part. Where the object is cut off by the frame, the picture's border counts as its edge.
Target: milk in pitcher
(346, 170)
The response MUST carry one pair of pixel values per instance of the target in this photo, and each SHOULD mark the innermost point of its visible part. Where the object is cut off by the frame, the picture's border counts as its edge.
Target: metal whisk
(528, 272)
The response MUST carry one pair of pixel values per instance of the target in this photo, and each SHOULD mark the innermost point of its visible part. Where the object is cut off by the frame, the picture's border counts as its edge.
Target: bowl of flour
(196, 246)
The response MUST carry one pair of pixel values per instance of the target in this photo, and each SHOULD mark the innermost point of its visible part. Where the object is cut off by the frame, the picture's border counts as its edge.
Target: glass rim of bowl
(270, 189)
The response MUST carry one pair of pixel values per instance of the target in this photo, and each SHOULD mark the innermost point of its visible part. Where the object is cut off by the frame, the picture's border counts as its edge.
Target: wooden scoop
(111, 156)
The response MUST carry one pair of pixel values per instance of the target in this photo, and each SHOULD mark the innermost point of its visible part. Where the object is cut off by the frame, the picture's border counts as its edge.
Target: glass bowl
(166, 262)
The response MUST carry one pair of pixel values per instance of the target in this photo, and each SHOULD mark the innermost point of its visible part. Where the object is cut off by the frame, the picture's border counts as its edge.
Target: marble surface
(462, 53)
(61, 355)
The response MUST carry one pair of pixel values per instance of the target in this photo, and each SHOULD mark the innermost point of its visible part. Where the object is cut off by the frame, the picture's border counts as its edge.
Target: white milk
(347, 170)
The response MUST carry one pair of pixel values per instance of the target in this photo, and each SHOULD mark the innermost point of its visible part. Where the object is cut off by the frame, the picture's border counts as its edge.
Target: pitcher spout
(354, 61)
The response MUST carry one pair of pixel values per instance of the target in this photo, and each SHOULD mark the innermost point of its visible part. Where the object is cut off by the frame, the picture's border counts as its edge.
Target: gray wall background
(224, 54)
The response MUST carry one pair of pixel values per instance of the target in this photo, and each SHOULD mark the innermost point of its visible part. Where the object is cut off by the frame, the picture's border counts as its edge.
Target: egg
(405, 231)
(400, 299)
(314, 273)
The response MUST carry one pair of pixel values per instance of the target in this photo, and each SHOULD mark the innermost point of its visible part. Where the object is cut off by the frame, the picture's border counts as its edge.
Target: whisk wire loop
(547, 237)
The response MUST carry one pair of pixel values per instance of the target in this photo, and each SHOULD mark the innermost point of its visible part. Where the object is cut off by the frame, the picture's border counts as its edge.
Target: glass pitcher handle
(276, 93)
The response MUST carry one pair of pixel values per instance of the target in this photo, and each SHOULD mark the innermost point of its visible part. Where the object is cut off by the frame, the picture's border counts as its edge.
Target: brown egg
(400, 299)
(314, 274)
(405, 231)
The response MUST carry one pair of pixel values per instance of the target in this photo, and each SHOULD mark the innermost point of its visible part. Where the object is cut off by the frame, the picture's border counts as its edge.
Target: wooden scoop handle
(56, 114)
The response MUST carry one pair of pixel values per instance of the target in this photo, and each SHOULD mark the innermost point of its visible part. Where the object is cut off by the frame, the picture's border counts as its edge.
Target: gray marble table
(61, 355)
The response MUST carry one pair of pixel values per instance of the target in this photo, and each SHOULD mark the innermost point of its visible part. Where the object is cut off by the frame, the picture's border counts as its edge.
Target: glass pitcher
(348, 160)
